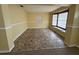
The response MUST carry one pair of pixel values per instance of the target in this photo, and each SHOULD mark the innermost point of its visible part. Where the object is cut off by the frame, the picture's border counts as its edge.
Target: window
(60, 19)
(54, 20)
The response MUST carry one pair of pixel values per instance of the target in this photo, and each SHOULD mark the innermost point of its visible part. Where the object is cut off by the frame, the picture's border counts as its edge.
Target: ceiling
(43, 7)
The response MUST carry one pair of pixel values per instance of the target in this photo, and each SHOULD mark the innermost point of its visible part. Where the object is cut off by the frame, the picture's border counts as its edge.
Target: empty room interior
(39, 29)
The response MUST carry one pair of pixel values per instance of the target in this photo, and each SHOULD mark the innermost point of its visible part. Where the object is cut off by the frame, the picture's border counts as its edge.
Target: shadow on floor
(57, 51)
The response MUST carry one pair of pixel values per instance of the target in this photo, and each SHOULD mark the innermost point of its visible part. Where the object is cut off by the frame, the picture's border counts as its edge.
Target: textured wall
(32, 23)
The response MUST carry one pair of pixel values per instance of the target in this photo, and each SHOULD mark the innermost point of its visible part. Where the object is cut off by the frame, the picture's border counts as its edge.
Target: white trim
(11, 48)
(18, 23)
(66, 43)
(69, 45)
(74, 45)
(10, 26)
(73, 26)
(6, 51)
(37, 27)
(20, 34)
(60, 29)
(77, 46)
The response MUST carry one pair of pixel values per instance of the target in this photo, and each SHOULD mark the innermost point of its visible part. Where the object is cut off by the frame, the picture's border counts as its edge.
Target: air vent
(21, 6)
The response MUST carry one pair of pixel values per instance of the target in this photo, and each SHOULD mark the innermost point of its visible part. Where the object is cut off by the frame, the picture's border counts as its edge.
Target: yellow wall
(7, 23)
(3, 37)
(32, 20)
(69, 24)
(15, 21)
(72, 33)
(18, 19)
(77, 24)
(75, 28)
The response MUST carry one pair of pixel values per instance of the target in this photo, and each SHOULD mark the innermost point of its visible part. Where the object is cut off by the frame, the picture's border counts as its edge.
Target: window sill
(60, 29)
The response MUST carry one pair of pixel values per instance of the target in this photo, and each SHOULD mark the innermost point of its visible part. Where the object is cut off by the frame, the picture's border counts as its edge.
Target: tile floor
(38, 39)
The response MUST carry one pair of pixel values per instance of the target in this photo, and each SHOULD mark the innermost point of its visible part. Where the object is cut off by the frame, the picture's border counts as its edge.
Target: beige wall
(18, 19)
(69, 24)
(7, 23)
(15, 21)
(3, 37)
(77, 24)
(32, 20)
(72, 33)
(75, 28)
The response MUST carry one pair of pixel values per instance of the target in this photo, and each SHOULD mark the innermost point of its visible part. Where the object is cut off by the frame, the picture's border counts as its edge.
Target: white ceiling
(42, 7)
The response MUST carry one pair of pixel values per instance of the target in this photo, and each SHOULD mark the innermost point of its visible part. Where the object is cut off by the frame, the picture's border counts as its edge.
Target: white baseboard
(6, 51)
(74, 45)
(20, 34)
(69, 44)
(11, 48)
(37, 28)
(77, 46)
